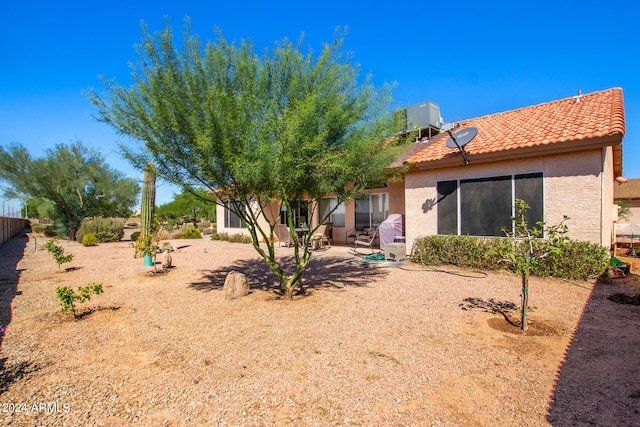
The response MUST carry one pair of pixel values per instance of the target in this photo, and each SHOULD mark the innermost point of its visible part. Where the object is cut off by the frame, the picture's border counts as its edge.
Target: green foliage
(67, 297)
(577, 261)
(281, 125)
(191, 233)
(72, 179)
(89, 239)
(37, 228)
(105, 230)
(203, 224)
(239, 238)
(50, 231)
(57, 252)
(134, 236)
(188, 207)
(461, 251)
(233, 238)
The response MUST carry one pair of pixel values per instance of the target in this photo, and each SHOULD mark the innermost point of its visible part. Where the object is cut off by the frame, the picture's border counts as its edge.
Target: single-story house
(561, 157)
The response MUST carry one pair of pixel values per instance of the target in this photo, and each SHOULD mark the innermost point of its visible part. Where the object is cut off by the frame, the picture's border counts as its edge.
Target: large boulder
(235, 285)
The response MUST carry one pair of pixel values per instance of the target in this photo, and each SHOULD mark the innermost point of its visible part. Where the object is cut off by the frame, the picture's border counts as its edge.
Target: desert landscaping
(367, 344)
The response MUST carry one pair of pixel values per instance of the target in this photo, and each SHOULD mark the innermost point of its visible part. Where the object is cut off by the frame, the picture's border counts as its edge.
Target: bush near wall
(577, 261)
(233, 238)
(105, 230)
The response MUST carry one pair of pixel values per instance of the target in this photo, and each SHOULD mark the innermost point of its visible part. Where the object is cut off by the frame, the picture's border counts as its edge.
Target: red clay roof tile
(587, 116)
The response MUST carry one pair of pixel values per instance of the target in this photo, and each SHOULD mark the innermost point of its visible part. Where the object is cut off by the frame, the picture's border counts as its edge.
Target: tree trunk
(525, 300)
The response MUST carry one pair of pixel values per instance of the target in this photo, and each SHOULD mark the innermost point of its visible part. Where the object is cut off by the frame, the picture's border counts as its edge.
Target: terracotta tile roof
(628, 190)
(572, 120)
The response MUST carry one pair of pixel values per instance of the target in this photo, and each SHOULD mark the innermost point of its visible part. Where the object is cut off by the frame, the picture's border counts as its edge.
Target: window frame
(340, 211)
(371, 222)
(230, 216)
(449, 197)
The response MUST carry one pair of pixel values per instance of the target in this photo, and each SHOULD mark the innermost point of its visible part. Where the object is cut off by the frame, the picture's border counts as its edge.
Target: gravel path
(366, 345)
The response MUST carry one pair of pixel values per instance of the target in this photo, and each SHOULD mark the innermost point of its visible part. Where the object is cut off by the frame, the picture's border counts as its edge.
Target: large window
(371, 210)
(231, 220)
(337, 218)
(483, 207)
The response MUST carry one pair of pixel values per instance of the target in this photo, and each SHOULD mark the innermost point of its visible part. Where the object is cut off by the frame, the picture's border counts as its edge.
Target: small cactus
(166, 260)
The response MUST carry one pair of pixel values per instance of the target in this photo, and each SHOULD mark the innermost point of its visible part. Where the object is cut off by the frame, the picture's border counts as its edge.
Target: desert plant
(89, 239)
(135, 235)
(145, 244)
(50, 231)
(203, 224)
(527, 248)
(67, 296)
(191, 233)
(57, 252)
(239, 238)
(105, 230)
(37, 228)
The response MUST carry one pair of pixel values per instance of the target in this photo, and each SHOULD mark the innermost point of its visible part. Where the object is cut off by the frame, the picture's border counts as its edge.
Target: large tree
(187, 207)
(73, 178)
(257, 129)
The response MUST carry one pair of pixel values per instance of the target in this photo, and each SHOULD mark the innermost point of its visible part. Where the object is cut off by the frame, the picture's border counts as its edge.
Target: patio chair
(318, 238)
(284, 236)
(365, 240)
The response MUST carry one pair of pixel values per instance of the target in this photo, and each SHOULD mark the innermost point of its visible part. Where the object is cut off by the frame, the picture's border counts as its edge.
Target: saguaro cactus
(147, 208)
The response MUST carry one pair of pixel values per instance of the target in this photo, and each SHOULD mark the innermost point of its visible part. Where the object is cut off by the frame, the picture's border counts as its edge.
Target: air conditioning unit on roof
(420, 116)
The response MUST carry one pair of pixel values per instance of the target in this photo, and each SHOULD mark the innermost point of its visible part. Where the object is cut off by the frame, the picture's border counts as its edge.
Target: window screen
(529, 189)
(485, 206)
(231, 220)
(447, 207)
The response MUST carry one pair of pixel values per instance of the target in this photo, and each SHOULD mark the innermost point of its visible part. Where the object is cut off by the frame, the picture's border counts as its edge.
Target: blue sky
(470, 58)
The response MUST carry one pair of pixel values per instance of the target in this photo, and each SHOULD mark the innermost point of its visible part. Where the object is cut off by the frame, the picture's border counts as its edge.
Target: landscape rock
(235, 285)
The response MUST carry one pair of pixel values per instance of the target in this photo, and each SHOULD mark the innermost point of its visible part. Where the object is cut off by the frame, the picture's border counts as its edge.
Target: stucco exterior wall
(273, 211)
(572, 185)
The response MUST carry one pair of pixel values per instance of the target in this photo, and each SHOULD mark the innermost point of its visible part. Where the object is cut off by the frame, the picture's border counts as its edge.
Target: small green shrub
(191, 233)
(233, 238)
(50, 231)
(67, 296)
(577, 261)
(89, 239)
(57, 252)
(105, 229)
(135, 235)
(37, 228)
(239, 238)
(203, 224)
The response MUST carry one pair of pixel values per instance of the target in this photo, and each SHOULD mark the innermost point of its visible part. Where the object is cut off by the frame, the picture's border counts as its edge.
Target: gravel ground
(378, 344)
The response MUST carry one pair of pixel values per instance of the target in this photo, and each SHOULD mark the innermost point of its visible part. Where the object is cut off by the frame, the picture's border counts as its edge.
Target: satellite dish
(460, 139)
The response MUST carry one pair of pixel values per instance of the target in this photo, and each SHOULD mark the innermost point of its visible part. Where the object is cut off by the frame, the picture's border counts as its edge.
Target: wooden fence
(10, 227)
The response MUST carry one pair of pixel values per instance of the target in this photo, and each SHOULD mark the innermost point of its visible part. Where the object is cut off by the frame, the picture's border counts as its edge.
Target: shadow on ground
(11, 252)
(599, 381)
(322, 272)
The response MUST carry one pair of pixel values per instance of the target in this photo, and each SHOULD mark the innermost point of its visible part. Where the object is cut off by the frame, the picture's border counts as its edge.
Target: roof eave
(455, 159)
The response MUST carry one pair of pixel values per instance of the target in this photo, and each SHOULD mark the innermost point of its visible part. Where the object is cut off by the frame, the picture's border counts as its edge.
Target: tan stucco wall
(573, 185)
(273, 211)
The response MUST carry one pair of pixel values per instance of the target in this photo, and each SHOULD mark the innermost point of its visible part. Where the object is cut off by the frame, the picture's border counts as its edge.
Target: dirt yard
(367, 345)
